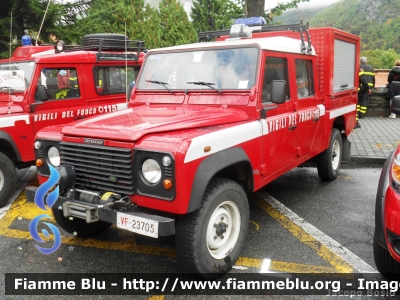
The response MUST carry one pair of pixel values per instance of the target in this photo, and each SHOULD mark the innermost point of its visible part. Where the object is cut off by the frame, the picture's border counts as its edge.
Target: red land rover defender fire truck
(41, 86)
(207, 122)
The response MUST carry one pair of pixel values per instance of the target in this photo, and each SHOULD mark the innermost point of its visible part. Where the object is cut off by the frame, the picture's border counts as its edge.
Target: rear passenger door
(279, 127)
(310, 109)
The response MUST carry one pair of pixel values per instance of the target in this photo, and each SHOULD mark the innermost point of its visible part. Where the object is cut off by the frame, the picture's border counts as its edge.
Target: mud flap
(346, 149)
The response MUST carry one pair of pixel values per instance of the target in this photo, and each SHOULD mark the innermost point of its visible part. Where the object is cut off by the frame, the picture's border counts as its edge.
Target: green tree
(210, 15)
(176, 29)
(26, 14)
(381, 59)
(255, 8)
(139, 21)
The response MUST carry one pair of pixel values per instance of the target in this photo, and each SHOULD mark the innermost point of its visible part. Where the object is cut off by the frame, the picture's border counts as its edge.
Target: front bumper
(95, 212)
(392, 222)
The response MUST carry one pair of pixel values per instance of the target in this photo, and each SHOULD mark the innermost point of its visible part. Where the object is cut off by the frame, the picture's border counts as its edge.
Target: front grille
(100, 168)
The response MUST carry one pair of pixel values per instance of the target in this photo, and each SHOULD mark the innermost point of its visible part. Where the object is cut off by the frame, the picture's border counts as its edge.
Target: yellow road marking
(335, 261)
(156, 298)
(255, 224)
(27, 210)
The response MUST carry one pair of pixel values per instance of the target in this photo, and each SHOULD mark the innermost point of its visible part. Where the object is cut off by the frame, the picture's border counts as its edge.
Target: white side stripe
(321, 109)
(10, 121)
(222, 139)
(341, 111)
(121, 106)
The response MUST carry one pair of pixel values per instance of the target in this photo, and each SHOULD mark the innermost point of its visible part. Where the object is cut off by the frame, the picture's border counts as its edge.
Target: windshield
(216, 69)
(15, 77)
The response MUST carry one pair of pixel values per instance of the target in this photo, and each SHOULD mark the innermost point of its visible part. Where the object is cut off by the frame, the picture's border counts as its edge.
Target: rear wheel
(8, 179)
(329, 161)
(79, 227)
(209, 240)
(385, 263)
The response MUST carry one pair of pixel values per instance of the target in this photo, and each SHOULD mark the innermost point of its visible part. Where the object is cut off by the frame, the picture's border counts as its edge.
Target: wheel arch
(232, 163)
(340, 124)
(380, 203)
(9, 148)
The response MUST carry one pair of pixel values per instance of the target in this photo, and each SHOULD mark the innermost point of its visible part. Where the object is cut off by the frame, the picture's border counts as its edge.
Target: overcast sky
(311, 3)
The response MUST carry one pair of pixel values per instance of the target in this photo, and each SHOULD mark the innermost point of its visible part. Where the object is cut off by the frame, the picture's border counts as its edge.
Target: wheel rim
(1, 180)
(335, 155)
(223, 230)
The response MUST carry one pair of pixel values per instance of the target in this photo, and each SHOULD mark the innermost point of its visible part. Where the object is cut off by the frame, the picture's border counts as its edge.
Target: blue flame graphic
(45, 187)
(35, 235)
(51, 199)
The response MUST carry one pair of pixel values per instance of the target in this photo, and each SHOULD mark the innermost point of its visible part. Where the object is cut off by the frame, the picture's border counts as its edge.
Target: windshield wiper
(162, 83)
(209, 84)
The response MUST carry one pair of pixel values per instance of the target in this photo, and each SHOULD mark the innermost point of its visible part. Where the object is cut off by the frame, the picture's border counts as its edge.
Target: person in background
(367, 82)
(394, 84)
(363, 89)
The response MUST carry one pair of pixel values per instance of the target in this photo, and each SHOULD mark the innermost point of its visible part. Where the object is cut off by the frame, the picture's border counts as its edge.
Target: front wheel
(209, 240)
(8, 179)
(329, 161)
(384, 262)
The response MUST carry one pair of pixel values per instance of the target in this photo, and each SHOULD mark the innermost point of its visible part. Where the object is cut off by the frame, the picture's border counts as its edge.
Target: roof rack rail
(111, 45)
(208, 35)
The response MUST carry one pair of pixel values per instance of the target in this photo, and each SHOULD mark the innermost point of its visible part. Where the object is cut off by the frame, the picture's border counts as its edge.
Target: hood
(133, 123)
(13, 97)
(14, 108)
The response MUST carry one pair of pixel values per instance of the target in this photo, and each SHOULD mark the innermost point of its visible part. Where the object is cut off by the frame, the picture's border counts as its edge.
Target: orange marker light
(39, 162)
(207, 149)
(167, 183)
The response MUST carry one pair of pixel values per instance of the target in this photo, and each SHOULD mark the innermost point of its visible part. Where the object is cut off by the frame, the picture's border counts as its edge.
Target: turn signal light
(39, 162)
(396, 169)
(167, 183)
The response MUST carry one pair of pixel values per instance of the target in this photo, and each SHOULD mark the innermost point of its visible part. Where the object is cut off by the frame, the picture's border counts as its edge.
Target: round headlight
(60, 46)
(38, 145)
(54, 156)
(151, 171)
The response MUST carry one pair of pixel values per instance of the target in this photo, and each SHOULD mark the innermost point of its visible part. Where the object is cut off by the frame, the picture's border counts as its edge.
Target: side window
(60, 83)
(304, 78)
(276, 68)
(113, 80)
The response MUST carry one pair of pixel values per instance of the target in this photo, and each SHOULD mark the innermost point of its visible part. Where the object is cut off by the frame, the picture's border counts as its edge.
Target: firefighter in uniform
(367, 82)
(72, 83)
(363, 89)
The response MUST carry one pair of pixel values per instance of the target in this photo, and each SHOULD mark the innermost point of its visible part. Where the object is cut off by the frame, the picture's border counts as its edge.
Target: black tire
(79, 227)
(8, 179)
(329, 161)
(223, 200)
(384, 262)
(114, 40)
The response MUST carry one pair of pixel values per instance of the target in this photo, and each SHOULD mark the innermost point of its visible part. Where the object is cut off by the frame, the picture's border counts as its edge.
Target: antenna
(9, 66)
(126, 68)
(37, 38)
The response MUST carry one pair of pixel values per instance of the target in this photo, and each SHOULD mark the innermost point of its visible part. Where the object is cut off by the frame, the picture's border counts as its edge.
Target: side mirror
(395, 106)
(278, 91)
(41, 93)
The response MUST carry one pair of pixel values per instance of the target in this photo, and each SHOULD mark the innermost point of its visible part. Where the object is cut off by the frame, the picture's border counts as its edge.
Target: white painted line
(20, 186)
(358, 264)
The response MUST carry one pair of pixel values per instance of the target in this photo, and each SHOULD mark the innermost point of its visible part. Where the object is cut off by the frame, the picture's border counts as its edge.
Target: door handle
(292, 127)
(79, 118)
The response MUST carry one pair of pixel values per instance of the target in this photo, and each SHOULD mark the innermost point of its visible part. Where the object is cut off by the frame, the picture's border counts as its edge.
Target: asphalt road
(297, 222)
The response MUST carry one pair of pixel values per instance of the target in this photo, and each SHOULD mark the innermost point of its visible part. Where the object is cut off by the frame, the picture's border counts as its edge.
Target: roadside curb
(365, 161)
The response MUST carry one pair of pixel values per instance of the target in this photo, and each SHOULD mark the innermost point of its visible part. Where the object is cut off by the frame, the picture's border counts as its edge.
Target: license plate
(137, 224)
